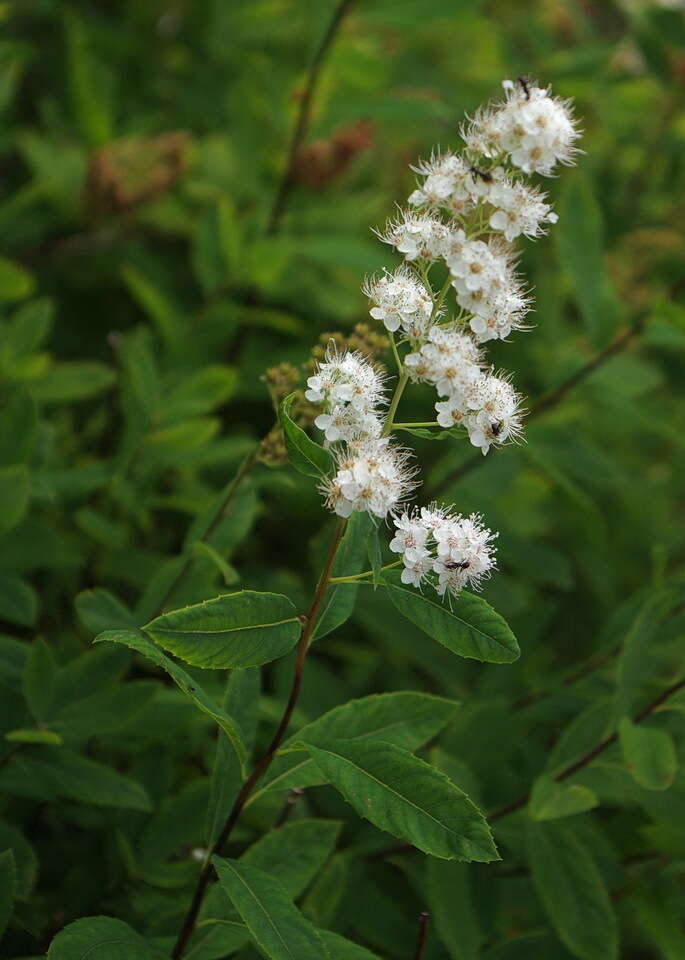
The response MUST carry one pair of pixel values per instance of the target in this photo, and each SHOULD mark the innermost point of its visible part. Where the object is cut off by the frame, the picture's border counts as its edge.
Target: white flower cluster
(352, 391)
(462, 219)
(447, 550)
(486, 405)
(400, 300)
(534, 129)
(372, 475)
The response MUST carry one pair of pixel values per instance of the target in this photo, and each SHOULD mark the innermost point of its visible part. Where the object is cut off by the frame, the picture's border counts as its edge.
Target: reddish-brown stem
(591, 754)
(567, 772)
(422, 936)
(309, 622)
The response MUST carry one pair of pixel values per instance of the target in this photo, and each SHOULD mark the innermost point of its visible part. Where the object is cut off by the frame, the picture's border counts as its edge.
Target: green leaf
(339, 948)
(199, 393)
(100, 610)
(14, 495)
(276, 925)
(240, 702)
(243, 629)
(24, 859)
(406, 719)
(18, 422)
(350, 559)
(15, 282)
(408, 798)
(579, 241)
(38, 680)
(57, 772)
(648, 754)
(89, 108)
(136, 641)
(72, 381)
(156, 304)
(18, 601)
(550, 800)
(293, 854)
(471, 628)
(572, 890)
(99, 938)
(8, 886)
(451, 908)
(308, 457)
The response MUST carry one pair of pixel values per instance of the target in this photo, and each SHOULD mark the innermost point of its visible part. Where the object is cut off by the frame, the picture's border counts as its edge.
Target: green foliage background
(137, 320)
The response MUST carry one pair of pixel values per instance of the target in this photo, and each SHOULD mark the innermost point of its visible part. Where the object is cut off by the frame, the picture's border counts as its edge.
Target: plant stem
(422, 936)
(367, 573)
(262, 765)
(304, 115)
(396, 397)
(398, 360)
(591, 754)
(406, 426)
(440, 299)
(231, 490)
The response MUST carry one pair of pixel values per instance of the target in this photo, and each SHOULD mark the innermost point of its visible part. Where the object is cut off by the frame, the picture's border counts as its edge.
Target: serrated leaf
(550, 800)
(99, 938)
(572, 891)
(408, 798)
(275, 924)
(136, 641)
(339, 948)
(471, 628)
(648, 754)
(407, 719)
(308, 457)
(243, 629)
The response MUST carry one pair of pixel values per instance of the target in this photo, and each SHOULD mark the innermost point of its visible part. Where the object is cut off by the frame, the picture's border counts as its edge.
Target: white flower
(344, 422)
(520, 209)
(400, 300)
(448, 182)
(417, 565)
(372, 475)
(410, 534)
(452, 412)
(418, 237)
(496, 415)
(480, 266)
(450, 360)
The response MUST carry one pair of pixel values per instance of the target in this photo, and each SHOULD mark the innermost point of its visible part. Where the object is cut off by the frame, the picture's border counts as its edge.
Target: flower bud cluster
(444, 549)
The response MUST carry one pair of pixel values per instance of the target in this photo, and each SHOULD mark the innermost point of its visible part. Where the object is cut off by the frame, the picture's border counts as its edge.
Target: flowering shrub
(269, 546)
